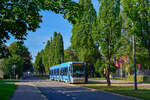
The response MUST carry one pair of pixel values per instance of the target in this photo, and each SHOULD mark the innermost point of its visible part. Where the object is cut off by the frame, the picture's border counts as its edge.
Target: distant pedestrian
(16, 76)
(105, 73)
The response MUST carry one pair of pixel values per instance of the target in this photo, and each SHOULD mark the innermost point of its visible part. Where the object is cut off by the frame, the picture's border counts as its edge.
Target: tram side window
(70, 69)
(61, 73)
(57, 71)
(54, 71)
(50, 72)
(65, 71)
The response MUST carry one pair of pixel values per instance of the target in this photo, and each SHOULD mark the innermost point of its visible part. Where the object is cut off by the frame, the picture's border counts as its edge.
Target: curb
(42, 95)
(129, 97)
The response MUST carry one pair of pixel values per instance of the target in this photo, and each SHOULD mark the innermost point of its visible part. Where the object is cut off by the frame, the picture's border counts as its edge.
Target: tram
(70, 72)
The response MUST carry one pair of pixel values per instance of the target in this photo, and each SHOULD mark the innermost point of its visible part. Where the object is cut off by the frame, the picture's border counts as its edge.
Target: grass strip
(6, 90)
(142, 92)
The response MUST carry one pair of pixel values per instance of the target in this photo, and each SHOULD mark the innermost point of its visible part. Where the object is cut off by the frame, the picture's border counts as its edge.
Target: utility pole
(134, 60)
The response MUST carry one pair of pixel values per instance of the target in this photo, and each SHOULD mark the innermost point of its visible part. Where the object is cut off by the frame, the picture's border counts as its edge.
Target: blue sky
(51, 23)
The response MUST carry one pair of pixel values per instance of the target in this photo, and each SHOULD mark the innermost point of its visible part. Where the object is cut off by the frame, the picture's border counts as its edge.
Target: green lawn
(6, 90)
(146, 81)
(8, 80)
(142, 93)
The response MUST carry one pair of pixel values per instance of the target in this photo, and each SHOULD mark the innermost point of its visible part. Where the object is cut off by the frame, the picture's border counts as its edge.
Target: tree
(18, 48)
(18, 17)
(60, 48)
(7, 64)
(81, 39)
(108, 31)
(4, 51)
(38, 64)
(99, 67)
(70, 55)
(19, 56)
(137, 11)
(52, 54)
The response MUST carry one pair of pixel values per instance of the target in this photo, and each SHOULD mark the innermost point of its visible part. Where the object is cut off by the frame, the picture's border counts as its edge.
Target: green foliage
(7, 64)
(52, 54)
(18, 48)
(109, 27)
(18, 17)
(140, 78)
(38, 65)
(99, 67)
(142, 57)
(19, 56)
(81, 40)
(4, 52)
(109, 23)
(70, 55)
(137, 12)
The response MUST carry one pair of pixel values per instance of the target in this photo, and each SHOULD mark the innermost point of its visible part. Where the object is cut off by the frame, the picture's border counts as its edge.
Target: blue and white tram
(70, 72)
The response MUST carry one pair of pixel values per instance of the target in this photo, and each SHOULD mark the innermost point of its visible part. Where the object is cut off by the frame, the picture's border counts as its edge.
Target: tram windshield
(78, 68)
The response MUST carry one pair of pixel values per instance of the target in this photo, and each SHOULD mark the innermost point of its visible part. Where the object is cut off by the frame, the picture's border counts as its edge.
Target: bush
(140, 78)
(7, 63)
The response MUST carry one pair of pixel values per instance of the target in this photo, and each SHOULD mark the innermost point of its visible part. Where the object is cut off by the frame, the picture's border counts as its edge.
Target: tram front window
(78, 70)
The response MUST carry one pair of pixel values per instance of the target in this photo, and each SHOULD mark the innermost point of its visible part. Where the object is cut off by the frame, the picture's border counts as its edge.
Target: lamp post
(13, 68)
(134, 60)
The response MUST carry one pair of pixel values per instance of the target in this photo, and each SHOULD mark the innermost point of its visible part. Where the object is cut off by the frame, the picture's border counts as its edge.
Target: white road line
(74, 98)
(67, 95)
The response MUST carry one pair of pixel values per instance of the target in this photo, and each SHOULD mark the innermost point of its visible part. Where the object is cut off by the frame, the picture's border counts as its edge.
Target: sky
(51, 23)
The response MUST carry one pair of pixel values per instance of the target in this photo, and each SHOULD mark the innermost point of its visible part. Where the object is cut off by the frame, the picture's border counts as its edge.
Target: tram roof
(65, 64)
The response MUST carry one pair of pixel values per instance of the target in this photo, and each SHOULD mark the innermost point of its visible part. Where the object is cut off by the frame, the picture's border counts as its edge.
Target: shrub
(140, 78)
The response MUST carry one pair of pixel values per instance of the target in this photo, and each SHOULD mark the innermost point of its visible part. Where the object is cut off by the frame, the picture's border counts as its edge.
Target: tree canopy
(20, 57)
(18, 17)
(52, 54)
(81, 39)
(108, 30)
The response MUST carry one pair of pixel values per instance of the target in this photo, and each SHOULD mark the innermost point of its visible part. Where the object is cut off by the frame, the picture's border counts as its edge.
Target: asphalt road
(53, 90)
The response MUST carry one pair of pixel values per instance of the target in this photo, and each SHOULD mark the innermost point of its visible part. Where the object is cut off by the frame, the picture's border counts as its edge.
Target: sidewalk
(120, 82)
(25, 92)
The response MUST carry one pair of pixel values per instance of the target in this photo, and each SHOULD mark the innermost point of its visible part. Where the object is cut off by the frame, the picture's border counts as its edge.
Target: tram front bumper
(78, 80)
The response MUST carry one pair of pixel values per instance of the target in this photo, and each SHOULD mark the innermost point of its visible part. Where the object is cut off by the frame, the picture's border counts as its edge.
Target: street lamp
(13, 68)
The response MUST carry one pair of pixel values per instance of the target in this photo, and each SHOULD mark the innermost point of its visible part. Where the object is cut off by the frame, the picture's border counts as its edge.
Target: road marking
(67, 95)
(74, 98)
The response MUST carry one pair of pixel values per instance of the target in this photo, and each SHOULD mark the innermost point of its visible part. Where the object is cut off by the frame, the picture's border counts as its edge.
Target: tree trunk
(108, 75)
(121, 71)
(86, 73)
(134, 60)
(148, 47)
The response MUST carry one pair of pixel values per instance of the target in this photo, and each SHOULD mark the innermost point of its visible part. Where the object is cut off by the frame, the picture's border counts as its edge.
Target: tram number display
(77, 64)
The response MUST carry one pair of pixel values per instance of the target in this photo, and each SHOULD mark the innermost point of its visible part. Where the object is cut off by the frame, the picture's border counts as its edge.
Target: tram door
(69, 74)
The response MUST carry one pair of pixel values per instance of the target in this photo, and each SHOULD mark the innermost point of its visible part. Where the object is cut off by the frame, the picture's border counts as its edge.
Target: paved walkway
(120, 82)
(26, 92)
(28, 89)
